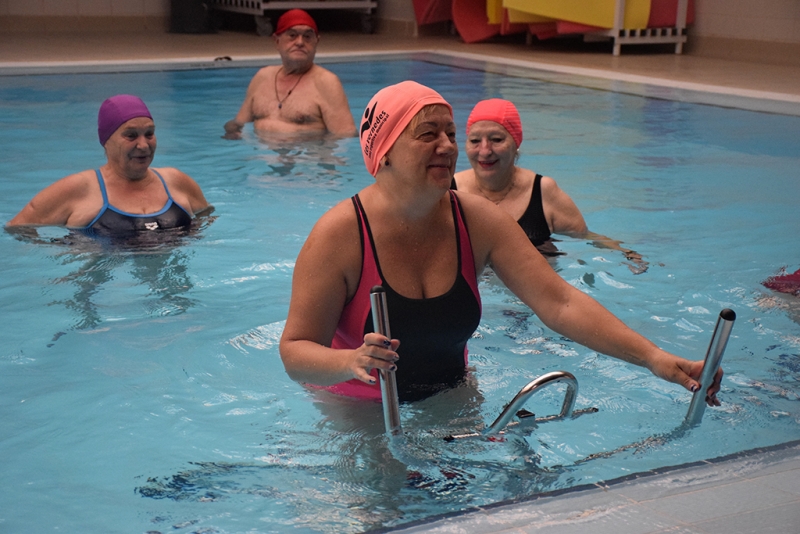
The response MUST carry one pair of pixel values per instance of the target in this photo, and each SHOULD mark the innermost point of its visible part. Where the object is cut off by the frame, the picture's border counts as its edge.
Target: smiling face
(131, 148)
(491, 151)
(427, 147)
(297, 46)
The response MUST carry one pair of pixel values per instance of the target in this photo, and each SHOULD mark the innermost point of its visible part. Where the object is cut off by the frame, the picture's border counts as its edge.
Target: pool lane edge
(606, 80)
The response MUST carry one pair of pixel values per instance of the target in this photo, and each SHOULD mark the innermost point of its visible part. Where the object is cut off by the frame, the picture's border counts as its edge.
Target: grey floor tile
(781, 519)
(724, 500)
(629, 519)
(788, 481)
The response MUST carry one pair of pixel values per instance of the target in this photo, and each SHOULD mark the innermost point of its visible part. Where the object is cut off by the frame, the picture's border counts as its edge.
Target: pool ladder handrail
(528, 390)
(514, 407)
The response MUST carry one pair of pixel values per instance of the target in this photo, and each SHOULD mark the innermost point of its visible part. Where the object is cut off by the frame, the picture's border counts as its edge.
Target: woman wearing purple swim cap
(125, 195)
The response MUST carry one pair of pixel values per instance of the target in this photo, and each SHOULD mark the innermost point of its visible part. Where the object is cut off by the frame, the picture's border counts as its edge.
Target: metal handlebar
(525, 393)
(719, 340)
(380, 323)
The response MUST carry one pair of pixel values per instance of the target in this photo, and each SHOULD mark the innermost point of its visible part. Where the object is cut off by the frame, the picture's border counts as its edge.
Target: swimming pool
(143, 391)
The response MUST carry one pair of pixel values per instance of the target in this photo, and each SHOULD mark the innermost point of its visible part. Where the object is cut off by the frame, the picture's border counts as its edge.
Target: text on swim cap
(380, 120)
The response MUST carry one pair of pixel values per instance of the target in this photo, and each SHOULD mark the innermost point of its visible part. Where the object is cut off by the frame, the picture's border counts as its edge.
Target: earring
(386, 162)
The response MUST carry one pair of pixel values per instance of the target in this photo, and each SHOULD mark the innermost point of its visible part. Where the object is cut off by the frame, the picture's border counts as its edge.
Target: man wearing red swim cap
(296, 96)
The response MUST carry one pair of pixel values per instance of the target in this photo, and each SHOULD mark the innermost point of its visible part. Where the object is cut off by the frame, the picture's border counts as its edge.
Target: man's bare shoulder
(321, 75)
(264, 74)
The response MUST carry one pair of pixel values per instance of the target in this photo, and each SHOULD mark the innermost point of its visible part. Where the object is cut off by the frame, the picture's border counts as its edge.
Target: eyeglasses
(308, 35)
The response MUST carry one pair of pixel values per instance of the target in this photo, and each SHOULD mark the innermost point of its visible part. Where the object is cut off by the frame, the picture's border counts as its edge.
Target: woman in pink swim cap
(494, 136)
(425, 245)
(125, 195)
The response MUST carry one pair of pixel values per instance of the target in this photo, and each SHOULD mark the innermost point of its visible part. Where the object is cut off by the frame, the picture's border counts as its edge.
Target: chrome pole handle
(716, 348)
(380, 323)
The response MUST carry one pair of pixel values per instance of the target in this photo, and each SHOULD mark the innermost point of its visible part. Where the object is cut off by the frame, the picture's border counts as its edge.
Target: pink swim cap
(116, 111)
(500, 111)
(295, 17)
(388, 114)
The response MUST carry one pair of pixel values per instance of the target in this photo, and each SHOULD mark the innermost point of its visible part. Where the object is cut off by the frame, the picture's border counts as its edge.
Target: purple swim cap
(116, 111)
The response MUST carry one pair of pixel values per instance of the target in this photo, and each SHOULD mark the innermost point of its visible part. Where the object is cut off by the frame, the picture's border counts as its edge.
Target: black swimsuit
(433, 332)
(534, 222)
(111, 221)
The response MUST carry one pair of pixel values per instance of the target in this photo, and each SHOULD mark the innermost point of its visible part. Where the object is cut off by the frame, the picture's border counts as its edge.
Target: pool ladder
(713, 359)
(515, 406)
(391, 405)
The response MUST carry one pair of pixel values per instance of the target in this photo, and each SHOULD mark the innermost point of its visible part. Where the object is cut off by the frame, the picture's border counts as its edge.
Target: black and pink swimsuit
(433, 332)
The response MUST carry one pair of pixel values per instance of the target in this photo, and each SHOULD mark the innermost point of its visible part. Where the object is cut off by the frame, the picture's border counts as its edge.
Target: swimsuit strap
(105, 199)
(164, 183)
(466, 257)
(536, 192)
(102, 188)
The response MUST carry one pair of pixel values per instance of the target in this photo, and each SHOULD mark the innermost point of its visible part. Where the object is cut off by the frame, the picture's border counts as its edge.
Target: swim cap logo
(374, 129)
(368, 114)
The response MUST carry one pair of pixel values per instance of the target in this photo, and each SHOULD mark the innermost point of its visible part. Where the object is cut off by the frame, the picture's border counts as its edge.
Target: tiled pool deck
(756, 491)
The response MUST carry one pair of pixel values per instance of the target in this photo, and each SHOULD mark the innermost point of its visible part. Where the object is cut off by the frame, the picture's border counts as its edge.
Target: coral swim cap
(500, 111)
(116, 111)
(388, 114)
(295, 17)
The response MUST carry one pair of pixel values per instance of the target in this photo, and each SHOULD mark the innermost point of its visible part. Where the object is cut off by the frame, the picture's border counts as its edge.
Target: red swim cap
(500, 111)
(295, 17)
(116, 111)
(785, 283)
(387, 115)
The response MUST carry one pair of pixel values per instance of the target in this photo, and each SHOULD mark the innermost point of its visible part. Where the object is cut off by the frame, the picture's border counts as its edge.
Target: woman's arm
(186, 191)
(560, 210)
(325, 276)
(564, 308)
(564, 217)
(55, 204)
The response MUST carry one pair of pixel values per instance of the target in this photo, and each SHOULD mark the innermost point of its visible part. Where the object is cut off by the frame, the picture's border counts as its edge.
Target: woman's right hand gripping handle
(377, 352)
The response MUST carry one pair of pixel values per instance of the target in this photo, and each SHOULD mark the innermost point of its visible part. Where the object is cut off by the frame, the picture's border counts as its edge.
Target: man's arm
(334, 106)
(233, 128)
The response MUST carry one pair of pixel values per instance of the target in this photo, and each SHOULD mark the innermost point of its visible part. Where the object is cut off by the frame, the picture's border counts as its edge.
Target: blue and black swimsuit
(113, 222)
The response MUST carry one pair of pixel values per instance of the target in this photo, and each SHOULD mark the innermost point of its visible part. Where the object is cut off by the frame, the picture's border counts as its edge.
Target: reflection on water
(154, 261)
(318, 154)
(333, 473)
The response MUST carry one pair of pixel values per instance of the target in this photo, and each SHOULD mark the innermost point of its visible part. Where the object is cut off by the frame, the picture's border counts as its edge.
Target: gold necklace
(510, 187)
(281, 101)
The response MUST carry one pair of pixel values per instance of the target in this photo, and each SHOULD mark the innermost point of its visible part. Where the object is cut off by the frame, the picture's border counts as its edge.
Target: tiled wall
(755, 20)
(85, 8)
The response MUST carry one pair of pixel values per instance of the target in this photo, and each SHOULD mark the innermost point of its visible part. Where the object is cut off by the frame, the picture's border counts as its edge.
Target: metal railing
(391, 404)
(719, 340)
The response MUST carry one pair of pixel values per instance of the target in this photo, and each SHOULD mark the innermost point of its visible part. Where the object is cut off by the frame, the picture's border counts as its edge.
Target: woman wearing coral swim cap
(125, 196)
(494, 136)
(425, 244)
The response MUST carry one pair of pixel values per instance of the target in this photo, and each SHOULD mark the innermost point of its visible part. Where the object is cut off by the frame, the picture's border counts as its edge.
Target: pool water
(141, 389)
